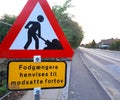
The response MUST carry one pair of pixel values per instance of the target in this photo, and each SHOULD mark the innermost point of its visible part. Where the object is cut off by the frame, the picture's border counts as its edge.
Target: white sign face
(46, 31)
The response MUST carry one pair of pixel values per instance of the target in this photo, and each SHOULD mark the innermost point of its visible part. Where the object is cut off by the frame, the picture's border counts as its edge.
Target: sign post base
(37, 92)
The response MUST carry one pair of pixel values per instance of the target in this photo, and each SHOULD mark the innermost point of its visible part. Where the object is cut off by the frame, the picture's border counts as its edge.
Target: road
(83, 85)
(105, 66)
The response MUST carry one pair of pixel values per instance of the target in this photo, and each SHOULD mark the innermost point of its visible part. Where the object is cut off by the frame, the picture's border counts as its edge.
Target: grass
(3, 89)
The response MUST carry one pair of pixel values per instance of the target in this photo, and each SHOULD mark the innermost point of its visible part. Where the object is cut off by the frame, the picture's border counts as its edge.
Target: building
(105, 44)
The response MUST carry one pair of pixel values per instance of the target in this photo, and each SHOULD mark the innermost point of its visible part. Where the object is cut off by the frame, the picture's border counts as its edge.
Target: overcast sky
(100, 19)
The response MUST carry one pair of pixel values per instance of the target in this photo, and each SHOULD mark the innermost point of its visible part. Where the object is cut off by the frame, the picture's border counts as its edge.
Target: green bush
(115, 46)
(3, 89)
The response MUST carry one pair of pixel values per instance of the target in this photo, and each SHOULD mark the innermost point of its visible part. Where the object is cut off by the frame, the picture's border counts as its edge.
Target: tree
(115, 45)
(93, 44)
(88, 45)
(3, 27)
(72, 30)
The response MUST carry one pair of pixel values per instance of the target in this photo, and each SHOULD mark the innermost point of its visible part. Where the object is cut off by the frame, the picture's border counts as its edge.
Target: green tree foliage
(72, 30)
(93, 44)
(4, 27)
(88, 45)
(115, 46)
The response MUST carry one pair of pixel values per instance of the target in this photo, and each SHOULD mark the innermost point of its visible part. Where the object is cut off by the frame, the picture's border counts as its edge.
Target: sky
(99, 19)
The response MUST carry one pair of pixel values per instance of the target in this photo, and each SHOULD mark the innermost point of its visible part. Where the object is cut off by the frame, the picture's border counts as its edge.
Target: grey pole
(37, 95)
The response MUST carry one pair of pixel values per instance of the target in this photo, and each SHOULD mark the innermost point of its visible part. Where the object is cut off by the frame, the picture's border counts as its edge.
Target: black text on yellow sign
(29, 75)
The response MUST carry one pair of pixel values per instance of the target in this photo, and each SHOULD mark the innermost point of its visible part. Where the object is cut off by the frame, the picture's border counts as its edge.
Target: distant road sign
(28, 75)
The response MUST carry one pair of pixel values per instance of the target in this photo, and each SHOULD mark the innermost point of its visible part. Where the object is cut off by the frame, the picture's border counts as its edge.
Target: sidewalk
(52, 94)
(48, 94)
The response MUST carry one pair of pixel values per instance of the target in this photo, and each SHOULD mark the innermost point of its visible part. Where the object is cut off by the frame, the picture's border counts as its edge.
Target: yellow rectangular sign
(29, 75)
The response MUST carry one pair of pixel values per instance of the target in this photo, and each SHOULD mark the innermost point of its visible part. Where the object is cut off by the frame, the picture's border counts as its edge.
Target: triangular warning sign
(35, 32)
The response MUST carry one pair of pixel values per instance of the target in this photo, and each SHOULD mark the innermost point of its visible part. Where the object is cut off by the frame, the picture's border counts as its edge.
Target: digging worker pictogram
(34, 31)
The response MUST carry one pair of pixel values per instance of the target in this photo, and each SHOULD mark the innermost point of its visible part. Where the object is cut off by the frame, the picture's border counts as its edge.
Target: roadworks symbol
(37, 33)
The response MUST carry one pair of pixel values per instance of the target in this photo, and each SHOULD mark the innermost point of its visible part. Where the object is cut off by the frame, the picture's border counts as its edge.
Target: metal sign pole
(37, 91)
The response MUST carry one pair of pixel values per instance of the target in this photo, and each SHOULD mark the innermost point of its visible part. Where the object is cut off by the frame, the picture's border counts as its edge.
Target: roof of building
(108, 41)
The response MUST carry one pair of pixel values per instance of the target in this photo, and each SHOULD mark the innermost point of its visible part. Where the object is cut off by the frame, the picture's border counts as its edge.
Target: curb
(97, 78)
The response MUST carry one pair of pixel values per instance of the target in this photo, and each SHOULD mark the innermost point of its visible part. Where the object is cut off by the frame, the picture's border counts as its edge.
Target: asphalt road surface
(105, 65)
(83, 85)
